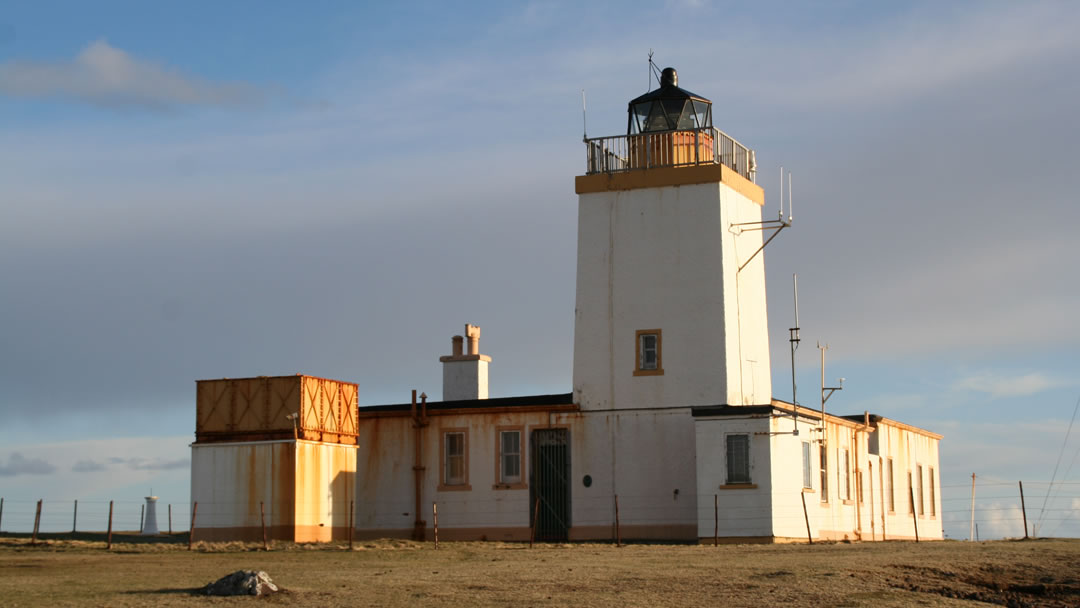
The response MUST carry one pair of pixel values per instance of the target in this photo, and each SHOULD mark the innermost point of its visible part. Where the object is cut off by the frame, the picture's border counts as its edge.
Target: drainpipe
(419, 422)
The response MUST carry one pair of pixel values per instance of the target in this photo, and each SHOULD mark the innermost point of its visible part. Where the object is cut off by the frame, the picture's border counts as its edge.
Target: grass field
(61, 571)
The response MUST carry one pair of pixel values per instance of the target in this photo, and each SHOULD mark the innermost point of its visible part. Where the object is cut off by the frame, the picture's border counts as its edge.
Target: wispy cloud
(87, 466)
(1004, 385)
(107, 76)
(18, 464)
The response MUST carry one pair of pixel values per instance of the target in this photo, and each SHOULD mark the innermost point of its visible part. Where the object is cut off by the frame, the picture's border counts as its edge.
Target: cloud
(87, 466)
(20, 465)
(158, 464)
(1000, 385)
(107, 76)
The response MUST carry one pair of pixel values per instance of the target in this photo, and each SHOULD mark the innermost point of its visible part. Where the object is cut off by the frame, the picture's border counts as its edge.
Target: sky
(206, 190)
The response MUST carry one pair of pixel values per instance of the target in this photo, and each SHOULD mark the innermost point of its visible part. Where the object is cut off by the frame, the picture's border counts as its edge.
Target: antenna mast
(826, 391)
(794, 340)
(584, 124)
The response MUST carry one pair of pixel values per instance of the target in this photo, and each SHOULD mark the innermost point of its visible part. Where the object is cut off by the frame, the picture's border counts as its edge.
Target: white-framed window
(919, 496)
(845, 473)
(455, 471)
(510, 457)
(823, 453)
(647, 352)
(933, 494)
(889, 480)
(807, 473)
(738, 459)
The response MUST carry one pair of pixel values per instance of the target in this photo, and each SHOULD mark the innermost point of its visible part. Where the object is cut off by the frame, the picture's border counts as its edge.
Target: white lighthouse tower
(670, 282)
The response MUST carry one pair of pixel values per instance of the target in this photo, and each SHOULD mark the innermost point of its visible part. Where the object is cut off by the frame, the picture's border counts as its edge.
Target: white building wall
(229, 480)
(666, 258)
(465, 380)
(643, 456)
(742, 510)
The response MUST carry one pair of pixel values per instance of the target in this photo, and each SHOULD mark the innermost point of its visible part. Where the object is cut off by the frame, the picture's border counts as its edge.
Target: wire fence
(983, 510)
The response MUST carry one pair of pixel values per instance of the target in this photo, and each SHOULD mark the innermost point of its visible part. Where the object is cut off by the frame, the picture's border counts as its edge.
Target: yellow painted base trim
(669, 176)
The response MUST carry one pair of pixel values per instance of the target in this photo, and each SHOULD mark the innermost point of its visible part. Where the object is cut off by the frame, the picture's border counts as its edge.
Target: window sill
(739, 486)
(510, 486)
(461, 488)
(648, 372)
(847, 502)
(808, 491)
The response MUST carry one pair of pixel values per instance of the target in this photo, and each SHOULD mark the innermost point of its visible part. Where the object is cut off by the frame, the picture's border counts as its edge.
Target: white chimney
(465, 375)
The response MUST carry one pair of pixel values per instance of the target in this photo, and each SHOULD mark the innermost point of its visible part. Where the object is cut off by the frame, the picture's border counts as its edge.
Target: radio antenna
(794, 340)
(584, 123)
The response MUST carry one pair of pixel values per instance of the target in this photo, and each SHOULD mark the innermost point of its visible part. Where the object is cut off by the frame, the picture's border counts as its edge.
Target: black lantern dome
(668, 108)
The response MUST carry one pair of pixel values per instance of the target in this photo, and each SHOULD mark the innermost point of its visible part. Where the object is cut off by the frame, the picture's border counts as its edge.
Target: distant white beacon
(150, 524)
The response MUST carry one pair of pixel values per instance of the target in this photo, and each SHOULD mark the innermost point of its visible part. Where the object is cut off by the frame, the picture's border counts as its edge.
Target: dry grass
(393, 573)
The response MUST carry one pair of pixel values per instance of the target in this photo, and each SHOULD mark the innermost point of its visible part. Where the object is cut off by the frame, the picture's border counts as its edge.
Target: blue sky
(198, 191)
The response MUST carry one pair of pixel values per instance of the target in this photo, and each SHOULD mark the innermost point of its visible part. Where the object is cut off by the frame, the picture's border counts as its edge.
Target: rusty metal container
(275, 407)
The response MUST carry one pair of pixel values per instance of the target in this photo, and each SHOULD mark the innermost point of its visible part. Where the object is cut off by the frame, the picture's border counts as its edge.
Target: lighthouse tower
(670, 280)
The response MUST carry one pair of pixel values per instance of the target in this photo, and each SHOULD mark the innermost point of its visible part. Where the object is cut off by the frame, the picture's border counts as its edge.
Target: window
(738, 459)
(455, 460)
(892, 495)
(807, 474)
(859, 485)
(845, 474)
(911, 497)
(922, 507)
(933, 495)
(824, 455)
(510, 457)
(647, 353)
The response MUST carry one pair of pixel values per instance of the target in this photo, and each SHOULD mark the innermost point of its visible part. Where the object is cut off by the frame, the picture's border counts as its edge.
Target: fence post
(170, 518)
(971, 533)
(262, 517)
(191, 530)
(715, 520)
(108, 535)
(806, 517)
(536, 516)
(1023, 509)
(914, 515)
(142, 515)
(1, 513)
(618, 533)
(435, 522)
(352, 509)
(75, 517)
(37, 522)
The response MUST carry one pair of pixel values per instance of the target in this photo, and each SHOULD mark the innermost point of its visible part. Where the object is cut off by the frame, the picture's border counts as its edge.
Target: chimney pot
(458, 343)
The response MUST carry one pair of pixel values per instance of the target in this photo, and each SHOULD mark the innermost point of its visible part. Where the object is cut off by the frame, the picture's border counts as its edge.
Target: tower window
(647, 353)
(807, 474)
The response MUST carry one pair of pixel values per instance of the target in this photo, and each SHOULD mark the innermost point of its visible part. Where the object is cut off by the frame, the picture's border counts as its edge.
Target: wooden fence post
(715, 520)
(914, 515)
(75, 518)
(108, 535)
(435, 522)
(1, 513)
(262, 517)
(37, 523)
(170, 518)
(1023, 509)
(536, 516)
(618, 532)
(352, 508)
(971, 533)
(806, 517)
(191, 530)
(142, 516)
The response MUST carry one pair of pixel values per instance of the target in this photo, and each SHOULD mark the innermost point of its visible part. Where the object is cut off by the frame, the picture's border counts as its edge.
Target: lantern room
(668, 108)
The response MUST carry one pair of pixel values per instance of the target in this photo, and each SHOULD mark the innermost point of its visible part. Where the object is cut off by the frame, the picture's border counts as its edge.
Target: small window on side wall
(454, 460)
(738, 459)
(510, 457)
(648, 353)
